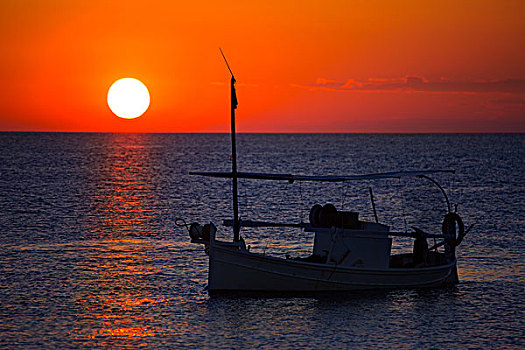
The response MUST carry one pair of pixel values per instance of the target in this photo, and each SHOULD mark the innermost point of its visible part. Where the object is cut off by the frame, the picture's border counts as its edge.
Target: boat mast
(236, 223)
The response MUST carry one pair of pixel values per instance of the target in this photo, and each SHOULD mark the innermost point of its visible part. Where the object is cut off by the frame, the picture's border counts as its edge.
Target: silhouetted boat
(348, 253)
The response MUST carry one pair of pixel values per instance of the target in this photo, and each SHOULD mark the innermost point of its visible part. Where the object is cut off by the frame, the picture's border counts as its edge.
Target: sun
(128, 98)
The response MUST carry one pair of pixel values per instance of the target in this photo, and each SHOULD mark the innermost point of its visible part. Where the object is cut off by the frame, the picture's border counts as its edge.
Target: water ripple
(91, 256)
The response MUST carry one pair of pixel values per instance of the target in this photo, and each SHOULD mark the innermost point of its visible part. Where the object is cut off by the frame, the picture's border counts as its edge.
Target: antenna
(225, 60)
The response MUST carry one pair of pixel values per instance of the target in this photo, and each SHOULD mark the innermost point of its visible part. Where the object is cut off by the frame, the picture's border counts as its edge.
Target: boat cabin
(342, 239)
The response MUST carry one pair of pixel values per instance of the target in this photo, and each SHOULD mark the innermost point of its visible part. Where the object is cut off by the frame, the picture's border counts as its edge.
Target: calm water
(90, 256)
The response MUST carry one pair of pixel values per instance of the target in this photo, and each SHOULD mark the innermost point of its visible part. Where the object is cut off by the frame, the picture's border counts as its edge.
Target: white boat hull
(233, 268)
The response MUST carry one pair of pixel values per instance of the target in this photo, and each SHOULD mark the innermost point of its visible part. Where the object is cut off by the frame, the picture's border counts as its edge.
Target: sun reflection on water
(122, 266)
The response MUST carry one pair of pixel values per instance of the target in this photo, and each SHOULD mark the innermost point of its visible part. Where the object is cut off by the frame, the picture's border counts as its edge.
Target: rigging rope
(301, 201)
(403, 204)
(342, 195)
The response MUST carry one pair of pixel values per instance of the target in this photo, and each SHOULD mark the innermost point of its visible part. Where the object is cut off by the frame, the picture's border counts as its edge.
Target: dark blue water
(90, 256)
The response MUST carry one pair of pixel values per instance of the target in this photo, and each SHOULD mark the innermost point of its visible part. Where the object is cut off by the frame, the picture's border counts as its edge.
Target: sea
(92, 256)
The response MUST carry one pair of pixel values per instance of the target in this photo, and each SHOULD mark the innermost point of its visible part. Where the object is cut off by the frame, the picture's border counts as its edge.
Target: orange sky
(301, 66)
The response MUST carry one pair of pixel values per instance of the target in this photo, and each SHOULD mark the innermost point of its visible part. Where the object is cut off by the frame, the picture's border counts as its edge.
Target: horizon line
(267, 133)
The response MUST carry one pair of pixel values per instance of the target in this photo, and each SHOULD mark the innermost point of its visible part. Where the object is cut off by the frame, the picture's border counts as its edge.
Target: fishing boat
(348, 253)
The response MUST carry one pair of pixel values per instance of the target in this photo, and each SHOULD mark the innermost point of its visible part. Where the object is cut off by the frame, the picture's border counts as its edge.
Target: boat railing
(309, 228)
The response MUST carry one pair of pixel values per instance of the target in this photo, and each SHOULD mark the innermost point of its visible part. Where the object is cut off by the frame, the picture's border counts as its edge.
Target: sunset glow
(309, 66)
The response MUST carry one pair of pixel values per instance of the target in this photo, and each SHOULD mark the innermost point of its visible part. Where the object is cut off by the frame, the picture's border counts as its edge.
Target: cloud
(322, 81)
(419, 84)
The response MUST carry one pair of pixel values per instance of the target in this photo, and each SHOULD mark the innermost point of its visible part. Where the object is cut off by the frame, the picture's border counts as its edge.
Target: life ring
(449, 229)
